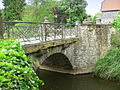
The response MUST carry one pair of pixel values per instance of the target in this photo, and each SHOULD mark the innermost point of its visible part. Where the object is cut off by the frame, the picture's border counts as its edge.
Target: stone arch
(58, 60)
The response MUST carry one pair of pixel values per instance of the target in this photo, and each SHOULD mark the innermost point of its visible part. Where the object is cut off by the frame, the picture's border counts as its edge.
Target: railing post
(8, 31)
(63, 31)
(77, 26)
(1, 29)
(45, 29)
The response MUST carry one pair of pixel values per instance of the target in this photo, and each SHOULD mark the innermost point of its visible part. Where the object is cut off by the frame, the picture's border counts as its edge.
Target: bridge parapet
(34, 32)
(94, 42)
(97, 35)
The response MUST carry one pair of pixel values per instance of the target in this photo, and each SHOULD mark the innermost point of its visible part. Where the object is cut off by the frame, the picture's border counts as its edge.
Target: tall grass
(115, 40)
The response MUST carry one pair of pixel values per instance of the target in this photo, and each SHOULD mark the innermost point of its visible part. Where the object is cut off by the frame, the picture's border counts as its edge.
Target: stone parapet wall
(93, 44)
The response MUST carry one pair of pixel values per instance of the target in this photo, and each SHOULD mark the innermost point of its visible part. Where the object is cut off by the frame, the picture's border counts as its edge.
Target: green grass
(115, 40)
(109, 66)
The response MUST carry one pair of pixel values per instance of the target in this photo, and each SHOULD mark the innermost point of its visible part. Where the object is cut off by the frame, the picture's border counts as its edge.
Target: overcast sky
(92, 8)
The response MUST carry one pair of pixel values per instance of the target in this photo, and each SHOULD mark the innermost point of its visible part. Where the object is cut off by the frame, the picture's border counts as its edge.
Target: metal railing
(37, 32)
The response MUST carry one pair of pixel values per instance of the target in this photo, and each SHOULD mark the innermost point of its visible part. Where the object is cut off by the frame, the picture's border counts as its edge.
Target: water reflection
(59, 81)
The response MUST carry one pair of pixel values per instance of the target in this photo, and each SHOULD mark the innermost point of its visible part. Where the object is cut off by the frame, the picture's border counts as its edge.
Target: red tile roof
(110, 5)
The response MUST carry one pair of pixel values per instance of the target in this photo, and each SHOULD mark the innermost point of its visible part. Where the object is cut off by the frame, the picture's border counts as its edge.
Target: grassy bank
(109, 66)
(16, 72)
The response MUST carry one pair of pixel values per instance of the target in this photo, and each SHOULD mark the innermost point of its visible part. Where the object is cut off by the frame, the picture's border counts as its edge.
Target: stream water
(60, 81)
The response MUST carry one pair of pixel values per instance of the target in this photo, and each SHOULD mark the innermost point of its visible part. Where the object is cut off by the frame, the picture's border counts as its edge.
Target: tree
(36, 3)
(40, 9)
(60, 16)
(13, 9)
(74, 9)
(1, 27)
(116, 23)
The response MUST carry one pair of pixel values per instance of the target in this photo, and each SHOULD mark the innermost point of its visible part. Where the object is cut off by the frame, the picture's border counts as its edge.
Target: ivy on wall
(116, 23)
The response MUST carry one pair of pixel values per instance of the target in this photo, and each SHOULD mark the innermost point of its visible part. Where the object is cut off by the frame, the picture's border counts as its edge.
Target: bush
(16, 70)
(116, 23)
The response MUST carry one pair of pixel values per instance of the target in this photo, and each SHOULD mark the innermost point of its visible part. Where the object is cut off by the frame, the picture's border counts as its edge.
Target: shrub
(116, 23)
(16, 70)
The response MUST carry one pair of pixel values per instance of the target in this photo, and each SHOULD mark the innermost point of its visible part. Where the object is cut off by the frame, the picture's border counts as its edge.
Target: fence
(37, 32)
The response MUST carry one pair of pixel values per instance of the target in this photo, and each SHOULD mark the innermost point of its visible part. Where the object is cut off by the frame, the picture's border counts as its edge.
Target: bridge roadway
(35, 41)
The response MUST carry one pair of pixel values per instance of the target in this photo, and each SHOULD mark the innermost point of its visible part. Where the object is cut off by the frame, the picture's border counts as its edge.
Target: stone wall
(108, 17)
(93, 44)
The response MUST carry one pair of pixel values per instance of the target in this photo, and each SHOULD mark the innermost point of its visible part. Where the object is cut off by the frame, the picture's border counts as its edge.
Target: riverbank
(109, 66)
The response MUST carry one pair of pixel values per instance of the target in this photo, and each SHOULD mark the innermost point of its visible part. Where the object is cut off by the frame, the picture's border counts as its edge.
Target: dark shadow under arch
(58, 60)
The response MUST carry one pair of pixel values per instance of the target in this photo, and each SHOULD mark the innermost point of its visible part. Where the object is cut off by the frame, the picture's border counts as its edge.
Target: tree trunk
(1, 29)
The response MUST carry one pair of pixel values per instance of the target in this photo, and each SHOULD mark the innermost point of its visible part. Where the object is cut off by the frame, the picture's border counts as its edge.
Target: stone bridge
(74, 55)
(58, 47)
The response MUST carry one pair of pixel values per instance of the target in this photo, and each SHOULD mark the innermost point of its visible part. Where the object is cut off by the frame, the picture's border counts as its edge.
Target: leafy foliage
(109, 66)
(13, 9)
(1, 28)
(74, 9)
(16, 70)
(40, 9)
(95, 17)
(116, 23)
